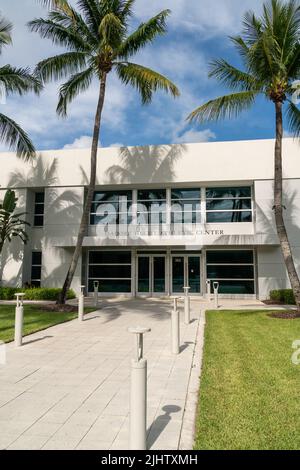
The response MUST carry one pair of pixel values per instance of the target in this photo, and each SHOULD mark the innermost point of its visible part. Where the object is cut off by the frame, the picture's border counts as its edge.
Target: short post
(19, 320)
(81, 304)
(208, 290)
(175, 329)
(96, 290)
(187, 305)
(216, 293)
(138, 393)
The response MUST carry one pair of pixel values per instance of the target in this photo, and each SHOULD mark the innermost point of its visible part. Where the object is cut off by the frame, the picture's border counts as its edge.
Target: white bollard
(175, 329)
(81, 304)
(96, 290)
(216, 294)
(187, 306)
(208, 290)
(19, 320)
(138, 393)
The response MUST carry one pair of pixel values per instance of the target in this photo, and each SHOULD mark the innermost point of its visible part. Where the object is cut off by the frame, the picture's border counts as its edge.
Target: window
(152, 207)
(233, 269)
(112, 269)
(39, 205)
(36, 268)
(186, 206)
(228, 205)
(111, 207)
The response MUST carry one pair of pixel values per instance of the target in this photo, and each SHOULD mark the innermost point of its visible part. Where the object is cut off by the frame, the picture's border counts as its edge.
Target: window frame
(218, 211)
(40, 204)
(36, 266)
(253, 264)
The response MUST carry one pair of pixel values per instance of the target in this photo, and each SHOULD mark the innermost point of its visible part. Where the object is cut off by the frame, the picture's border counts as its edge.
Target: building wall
(63, 174)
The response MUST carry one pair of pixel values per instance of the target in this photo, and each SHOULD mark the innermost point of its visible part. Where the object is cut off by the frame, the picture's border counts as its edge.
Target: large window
(111, 207)
(233, 269)
(112, 269)
(186, 206)
(228, 205)
(36, 268)
(151, 207)
(39, 205)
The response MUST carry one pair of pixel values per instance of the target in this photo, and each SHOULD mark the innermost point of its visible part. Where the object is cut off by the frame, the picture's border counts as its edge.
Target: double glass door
(151, 277)
(186, 272)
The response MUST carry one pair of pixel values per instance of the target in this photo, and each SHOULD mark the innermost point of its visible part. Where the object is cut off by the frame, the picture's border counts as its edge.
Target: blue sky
(198, 32)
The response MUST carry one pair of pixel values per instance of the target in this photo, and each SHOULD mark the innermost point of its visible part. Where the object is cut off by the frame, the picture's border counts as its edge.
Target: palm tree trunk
(90, 193)
(278, 209)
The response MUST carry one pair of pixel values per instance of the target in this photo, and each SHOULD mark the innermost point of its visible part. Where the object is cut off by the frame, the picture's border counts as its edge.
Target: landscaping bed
(249, 392)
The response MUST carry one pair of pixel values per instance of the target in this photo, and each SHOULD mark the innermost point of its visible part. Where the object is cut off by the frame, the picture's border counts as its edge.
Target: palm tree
(20, 81)
(11, 223)
(270, 51)
(98, 41)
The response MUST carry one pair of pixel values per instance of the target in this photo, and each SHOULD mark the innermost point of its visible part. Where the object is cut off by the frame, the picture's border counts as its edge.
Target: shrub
(34, 293)
(283, 295)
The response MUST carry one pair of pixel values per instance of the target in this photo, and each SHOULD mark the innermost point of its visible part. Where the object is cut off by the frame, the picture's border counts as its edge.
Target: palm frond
(68, 91)
(18, 80)
(293, 119)
(16, 139)
(145, 80)
(228, 106)
(61, 5)
(231, 76)
(127, 9)
(59, 35)
(60, 66)
(92, 14)
(144, 34)
(5, 32)
(75, 22)
(111, 31)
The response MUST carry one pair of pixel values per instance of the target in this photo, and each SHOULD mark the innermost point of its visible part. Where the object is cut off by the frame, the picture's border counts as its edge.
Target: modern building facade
(163, 217)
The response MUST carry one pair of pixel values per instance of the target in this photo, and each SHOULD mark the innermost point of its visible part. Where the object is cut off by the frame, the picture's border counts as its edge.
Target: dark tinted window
(230, 272)
(244, 191)
(110, 257)
(152, 195)
(186, 194)
(229, 257)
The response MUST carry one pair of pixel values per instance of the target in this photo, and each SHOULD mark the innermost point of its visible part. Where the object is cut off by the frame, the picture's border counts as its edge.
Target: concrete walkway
(68, 386)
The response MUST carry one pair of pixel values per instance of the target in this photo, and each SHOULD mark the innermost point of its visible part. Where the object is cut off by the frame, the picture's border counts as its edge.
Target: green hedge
(283, 295)
(35, 293)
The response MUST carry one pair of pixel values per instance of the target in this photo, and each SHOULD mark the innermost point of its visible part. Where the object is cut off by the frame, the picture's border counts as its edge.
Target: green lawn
(250, 390)
(35, 319)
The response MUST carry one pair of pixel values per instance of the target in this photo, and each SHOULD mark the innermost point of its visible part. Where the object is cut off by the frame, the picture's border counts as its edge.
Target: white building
(226, 189)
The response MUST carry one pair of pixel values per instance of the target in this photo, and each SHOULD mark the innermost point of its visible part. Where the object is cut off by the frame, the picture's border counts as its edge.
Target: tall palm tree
(270, 51)
(20, 81)
(97, 38)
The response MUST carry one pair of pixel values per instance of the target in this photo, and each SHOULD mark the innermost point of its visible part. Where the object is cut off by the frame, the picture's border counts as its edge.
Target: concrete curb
(187, 435)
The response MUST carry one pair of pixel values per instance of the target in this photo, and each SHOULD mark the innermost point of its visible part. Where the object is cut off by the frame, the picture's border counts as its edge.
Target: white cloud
(210, 18)
(117, 145)
(83, 142)
(192, 136)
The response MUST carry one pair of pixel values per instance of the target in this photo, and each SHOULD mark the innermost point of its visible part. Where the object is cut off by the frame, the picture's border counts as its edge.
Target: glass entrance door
(186, 272)
(151, 278)
(193, 274)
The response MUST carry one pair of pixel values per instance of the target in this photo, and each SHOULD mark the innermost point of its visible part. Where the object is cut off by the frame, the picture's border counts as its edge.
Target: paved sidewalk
(68, 386)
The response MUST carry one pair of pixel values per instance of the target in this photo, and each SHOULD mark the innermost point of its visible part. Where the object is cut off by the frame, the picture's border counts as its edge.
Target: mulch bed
(285, 314)
(60, 308)
(272, 302)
